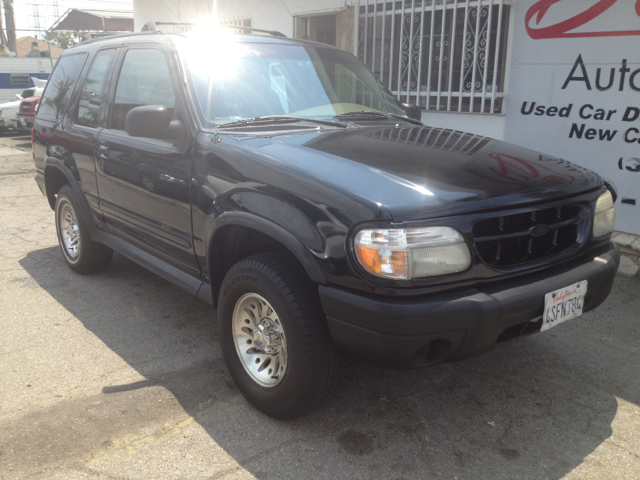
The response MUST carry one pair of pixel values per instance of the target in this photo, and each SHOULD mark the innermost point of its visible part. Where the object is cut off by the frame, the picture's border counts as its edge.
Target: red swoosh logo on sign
(562, 29)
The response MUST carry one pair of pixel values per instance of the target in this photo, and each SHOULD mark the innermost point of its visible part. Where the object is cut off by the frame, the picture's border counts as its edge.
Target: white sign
(574, 90)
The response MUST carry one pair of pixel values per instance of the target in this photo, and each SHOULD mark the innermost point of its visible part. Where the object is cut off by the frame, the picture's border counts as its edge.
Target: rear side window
(60, 86)
(92, 94)
(144, 80)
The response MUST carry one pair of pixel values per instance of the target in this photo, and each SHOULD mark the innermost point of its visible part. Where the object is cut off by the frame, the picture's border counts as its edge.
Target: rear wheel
(80, 252)
(274, 337)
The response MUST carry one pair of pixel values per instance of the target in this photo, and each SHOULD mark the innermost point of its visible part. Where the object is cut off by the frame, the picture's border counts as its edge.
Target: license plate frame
(563, 304)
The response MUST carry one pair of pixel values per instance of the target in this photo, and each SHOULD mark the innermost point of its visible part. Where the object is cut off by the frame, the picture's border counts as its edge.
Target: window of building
(59, 87)
(144, 80)
(446, 55)
(20, 79)
(92, 90)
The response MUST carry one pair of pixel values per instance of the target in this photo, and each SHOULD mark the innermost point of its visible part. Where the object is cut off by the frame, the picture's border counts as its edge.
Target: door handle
(103, 152)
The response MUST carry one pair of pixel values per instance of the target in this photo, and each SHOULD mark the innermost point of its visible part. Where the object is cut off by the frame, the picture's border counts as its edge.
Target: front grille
(25, 107)
(532, 236)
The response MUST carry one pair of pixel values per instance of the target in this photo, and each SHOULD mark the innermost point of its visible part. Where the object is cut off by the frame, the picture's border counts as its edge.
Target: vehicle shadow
(532, 408)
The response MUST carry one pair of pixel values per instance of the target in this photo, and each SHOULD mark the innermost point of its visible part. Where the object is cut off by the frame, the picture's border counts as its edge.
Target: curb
(630, 249)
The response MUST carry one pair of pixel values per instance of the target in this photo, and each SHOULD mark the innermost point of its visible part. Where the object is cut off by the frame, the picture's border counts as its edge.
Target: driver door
(145, 183)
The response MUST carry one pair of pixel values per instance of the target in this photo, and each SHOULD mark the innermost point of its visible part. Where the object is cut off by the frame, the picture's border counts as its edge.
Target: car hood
(419, 172)
(14, 104)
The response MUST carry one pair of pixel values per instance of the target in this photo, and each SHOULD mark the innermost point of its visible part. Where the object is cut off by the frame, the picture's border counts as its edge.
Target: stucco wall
(265, 14)
(345, 29)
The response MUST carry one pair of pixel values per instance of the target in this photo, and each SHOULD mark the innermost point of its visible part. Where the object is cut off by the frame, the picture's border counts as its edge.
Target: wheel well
(54, 180)
(231, 244)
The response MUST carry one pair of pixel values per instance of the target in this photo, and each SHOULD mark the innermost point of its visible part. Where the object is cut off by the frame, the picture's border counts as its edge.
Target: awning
(95, 20)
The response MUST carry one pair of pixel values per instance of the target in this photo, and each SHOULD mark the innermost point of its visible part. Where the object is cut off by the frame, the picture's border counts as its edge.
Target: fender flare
(52, 163)
(278, 233)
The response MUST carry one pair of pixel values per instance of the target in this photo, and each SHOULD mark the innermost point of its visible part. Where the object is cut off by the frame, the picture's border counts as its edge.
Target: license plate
(563, 304)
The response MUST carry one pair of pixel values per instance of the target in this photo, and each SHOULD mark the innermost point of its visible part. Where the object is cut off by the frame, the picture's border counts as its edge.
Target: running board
(190, 284)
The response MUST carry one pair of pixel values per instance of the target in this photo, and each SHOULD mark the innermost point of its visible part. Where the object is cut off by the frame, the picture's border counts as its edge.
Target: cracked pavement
(119, 375)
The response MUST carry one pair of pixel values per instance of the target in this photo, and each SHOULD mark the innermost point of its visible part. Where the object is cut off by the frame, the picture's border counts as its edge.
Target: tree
(63, 38)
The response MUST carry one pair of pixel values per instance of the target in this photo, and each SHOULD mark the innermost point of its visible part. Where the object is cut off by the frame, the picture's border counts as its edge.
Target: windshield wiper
(364, 113)
(376, 114)
(283, 119)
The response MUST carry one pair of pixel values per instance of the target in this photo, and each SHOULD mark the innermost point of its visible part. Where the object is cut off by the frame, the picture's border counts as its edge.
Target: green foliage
(63, 38)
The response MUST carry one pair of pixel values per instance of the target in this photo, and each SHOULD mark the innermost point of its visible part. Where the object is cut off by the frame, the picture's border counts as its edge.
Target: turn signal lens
(409, 253)
(605, 218)
(391, 263)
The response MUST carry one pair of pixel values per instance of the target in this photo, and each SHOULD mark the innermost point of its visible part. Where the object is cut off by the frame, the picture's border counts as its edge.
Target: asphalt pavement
(119, 375)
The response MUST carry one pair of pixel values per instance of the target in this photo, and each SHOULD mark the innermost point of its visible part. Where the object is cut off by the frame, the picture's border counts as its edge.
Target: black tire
(311, 373)
(90, 256)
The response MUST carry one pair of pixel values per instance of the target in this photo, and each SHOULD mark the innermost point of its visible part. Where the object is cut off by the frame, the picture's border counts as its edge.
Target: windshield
(249, 80)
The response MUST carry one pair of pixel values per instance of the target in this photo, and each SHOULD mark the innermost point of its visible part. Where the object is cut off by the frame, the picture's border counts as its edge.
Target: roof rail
(153, 27)
(87, 37)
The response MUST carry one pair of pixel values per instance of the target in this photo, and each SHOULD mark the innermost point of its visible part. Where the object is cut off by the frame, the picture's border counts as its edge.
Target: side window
(60, 86)
(144, 80)
(92, 90)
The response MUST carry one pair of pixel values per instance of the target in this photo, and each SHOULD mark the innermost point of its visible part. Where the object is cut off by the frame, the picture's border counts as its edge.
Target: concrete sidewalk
(630, 248)
(119, 375)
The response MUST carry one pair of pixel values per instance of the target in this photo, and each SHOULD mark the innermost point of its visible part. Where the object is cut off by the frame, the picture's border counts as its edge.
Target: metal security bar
(446, 55)
(238, 21)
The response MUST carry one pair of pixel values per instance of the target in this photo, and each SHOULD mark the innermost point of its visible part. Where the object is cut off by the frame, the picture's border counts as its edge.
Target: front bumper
(417, 331)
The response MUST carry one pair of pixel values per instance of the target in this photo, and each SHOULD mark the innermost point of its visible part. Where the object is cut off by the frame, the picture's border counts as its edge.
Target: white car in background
(9, 110)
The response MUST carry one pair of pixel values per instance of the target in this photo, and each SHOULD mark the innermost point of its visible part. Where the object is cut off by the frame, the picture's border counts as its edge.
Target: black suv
(281, 182)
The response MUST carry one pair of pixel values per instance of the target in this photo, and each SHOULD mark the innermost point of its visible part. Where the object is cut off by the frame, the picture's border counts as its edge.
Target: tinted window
(144, 80)
(92, 92)
(60, 86)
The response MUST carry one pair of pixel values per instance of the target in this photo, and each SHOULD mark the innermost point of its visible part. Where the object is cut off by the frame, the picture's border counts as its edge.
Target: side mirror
(152, 121)
(413, 111)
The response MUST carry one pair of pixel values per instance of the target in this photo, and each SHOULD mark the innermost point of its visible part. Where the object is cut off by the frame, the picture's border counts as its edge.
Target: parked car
(280, 181)
(27, 111)
(9, 110)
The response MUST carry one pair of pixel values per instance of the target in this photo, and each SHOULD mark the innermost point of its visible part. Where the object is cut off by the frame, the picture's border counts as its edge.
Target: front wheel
(274, 337)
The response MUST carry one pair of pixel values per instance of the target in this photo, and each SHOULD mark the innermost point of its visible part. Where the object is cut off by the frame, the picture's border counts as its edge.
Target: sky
(25, 10)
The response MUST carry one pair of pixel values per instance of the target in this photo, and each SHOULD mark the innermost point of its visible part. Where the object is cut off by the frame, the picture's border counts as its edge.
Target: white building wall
(264, 14)
(607, 115)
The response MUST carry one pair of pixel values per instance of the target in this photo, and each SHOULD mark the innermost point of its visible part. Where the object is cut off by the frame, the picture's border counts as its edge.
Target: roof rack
(153, 27)
(87, 37)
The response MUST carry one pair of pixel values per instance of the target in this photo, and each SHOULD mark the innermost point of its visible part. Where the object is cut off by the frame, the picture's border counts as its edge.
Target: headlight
(605, 217)
(408, 253)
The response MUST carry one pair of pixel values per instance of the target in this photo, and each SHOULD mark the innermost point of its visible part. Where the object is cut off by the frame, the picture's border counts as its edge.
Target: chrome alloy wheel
(69, 231)
(260, 341)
